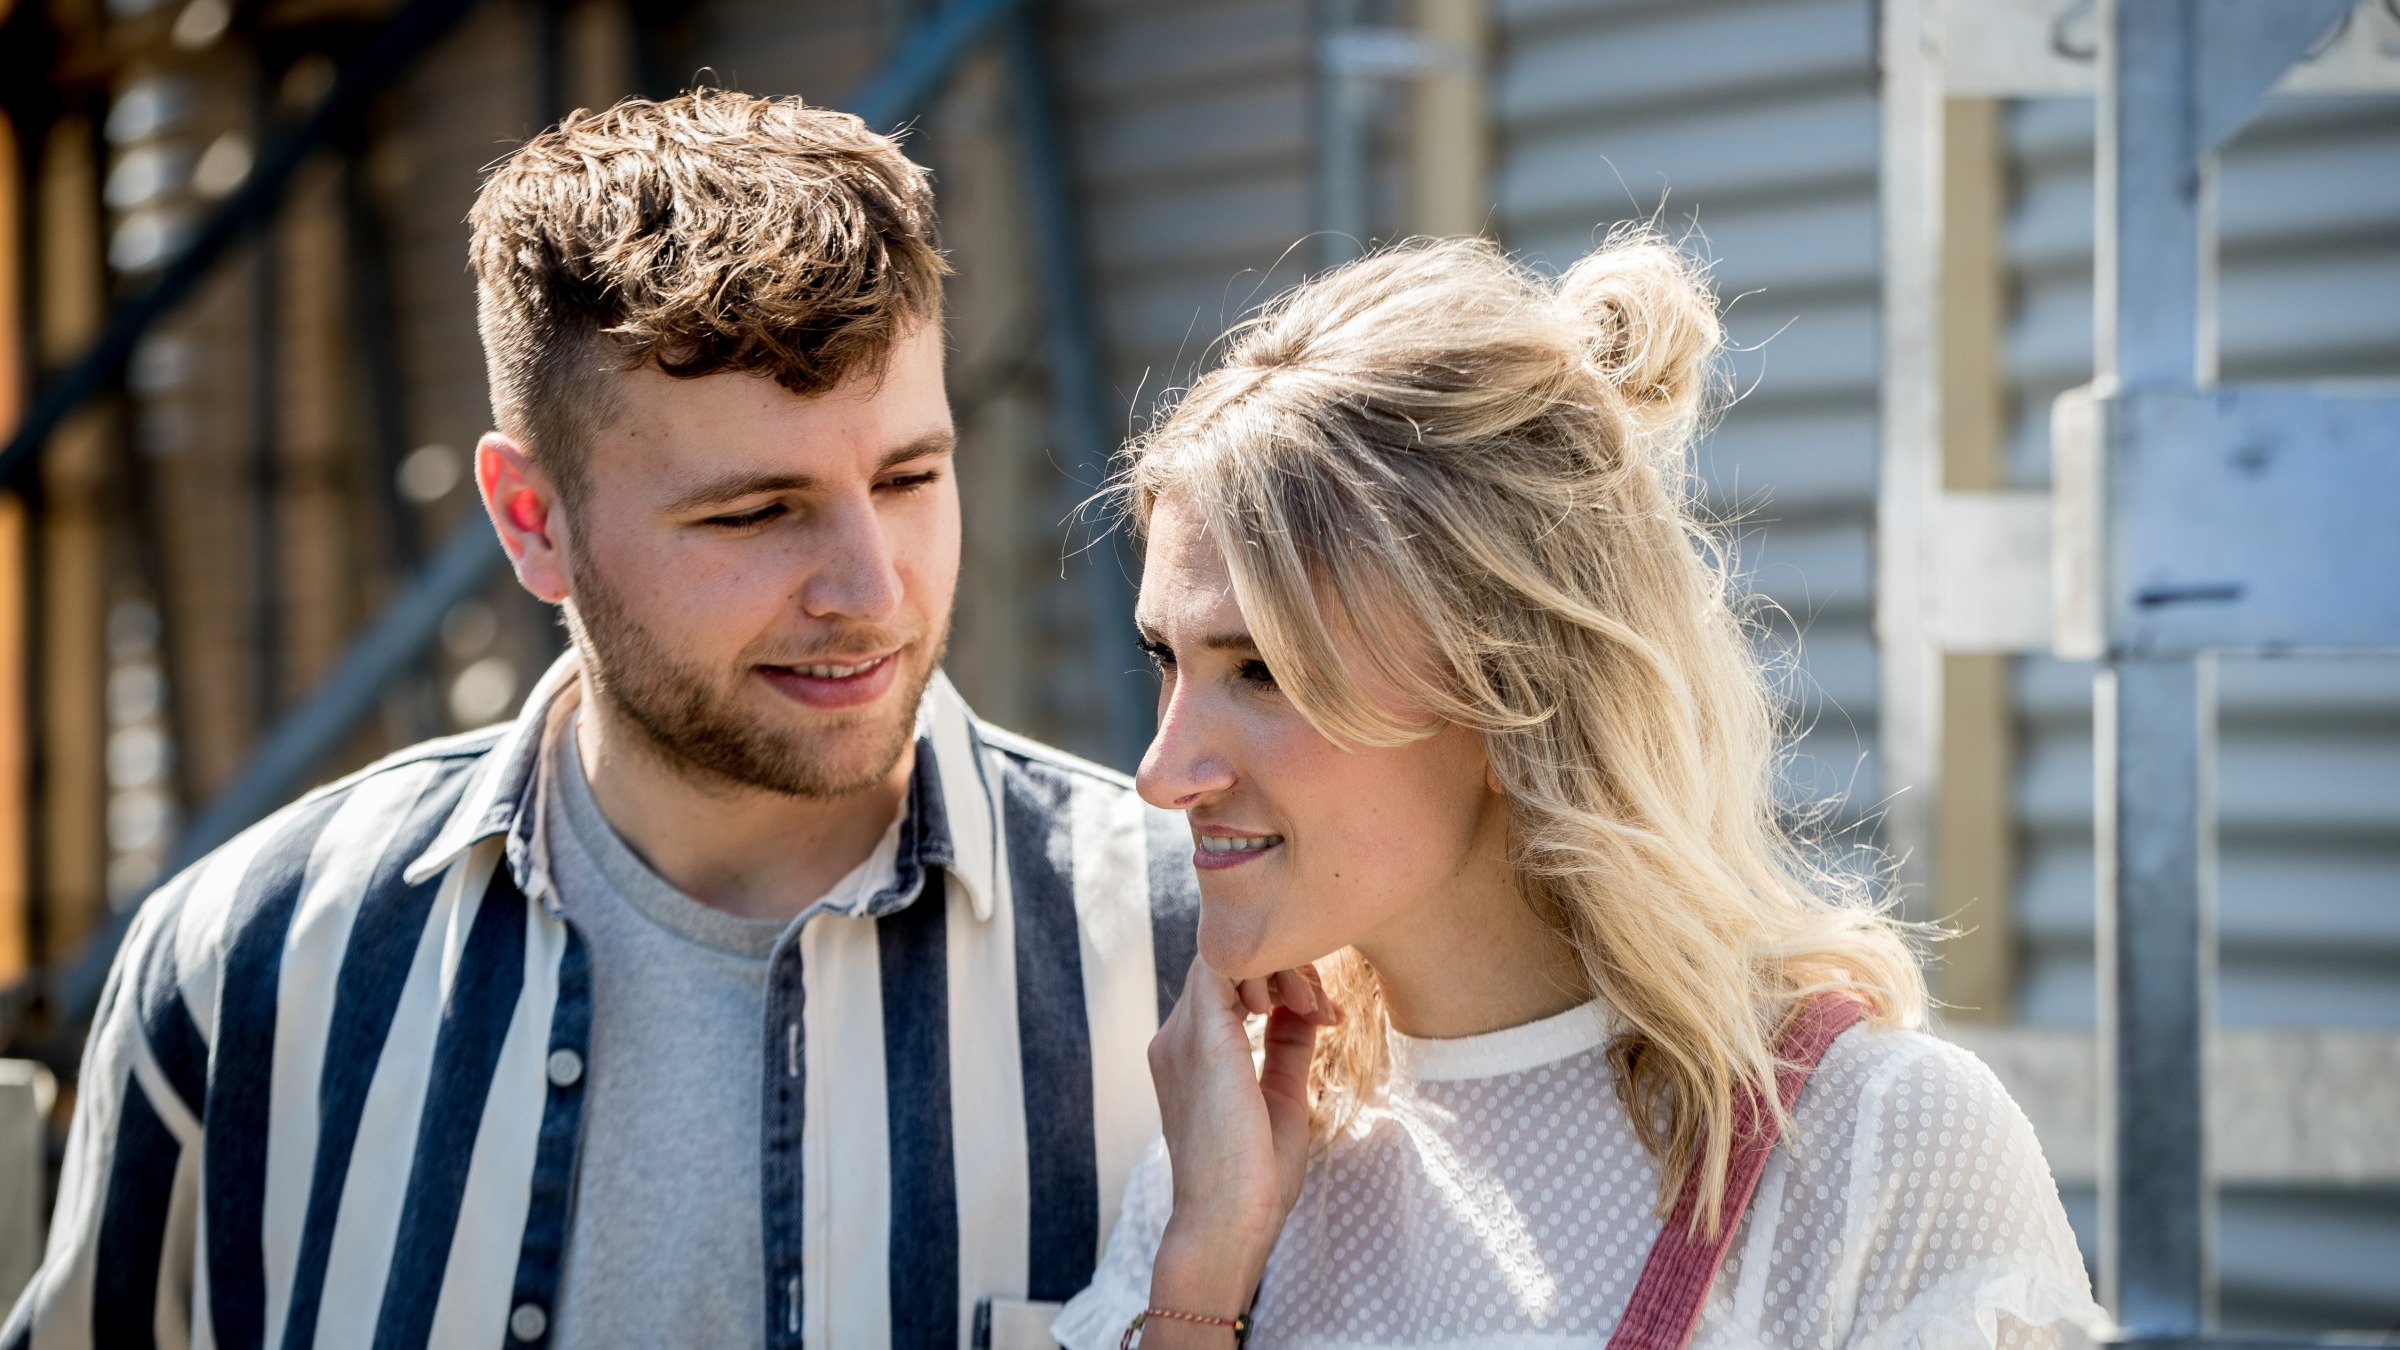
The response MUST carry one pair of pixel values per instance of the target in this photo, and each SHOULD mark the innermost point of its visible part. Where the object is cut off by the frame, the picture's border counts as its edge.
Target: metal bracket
(2228, 519)
(2049, 48)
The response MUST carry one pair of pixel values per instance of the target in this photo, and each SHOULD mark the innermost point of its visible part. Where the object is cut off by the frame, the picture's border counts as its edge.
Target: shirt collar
(952, 820)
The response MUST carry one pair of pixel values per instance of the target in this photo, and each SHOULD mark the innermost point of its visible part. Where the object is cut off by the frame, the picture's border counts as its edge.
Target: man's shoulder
(368, 824)
(1015, 749)
(1094, 815)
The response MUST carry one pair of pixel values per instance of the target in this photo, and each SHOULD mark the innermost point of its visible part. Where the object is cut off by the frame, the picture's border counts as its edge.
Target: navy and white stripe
(333, 1097)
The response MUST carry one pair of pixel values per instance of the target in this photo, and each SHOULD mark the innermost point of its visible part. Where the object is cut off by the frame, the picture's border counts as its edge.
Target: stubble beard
(696, 725)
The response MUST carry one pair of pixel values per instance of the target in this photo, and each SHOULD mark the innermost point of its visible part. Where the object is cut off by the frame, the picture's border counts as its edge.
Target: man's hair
(709, 232)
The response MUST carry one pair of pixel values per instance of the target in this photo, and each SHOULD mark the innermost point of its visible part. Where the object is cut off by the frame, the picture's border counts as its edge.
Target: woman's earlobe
(1491, 779)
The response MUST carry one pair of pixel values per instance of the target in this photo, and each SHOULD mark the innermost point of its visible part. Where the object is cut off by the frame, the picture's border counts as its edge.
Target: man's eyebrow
(709, 492)
(927, 446)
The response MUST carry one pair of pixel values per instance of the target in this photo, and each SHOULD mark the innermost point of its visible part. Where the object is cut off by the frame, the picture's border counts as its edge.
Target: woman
(1464, 715)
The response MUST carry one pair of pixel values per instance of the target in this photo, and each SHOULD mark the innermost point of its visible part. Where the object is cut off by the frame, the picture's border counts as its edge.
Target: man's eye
(746, 519)
(910, 482)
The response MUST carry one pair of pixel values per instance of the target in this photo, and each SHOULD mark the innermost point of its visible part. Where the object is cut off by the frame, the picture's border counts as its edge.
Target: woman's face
(1304, 847)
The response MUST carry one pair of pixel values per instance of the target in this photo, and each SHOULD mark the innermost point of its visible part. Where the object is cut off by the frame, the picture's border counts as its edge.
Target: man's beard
(697, 726)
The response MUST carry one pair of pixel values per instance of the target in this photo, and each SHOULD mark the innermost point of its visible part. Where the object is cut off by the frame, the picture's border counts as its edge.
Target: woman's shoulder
(1915, 1205)
(1880, 1085)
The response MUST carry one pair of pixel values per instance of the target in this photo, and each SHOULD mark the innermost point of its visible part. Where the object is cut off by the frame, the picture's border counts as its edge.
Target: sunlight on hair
(1438, 471)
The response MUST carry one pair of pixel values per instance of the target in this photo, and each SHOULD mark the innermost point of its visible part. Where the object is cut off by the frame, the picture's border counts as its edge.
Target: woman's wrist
(1207, 1269)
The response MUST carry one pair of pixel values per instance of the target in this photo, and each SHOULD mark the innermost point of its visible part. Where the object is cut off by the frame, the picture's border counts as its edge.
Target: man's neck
(749, 852)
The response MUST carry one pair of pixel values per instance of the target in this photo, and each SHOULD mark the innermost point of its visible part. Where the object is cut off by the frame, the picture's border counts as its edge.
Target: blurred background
(272, 460)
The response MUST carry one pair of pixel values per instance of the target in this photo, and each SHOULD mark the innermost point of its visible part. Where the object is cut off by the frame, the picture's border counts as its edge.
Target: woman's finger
(1299, 990)
(1293, 992)
(1257, 995)
(1290, 1042)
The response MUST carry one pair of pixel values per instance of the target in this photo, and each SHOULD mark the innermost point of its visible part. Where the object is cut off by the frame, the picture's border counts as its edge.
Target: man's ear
(524, 507)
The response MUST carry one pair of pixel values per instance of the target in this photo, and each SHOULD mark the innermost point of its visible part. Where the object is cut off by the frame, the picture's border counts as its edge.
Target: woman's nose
(1187, 761)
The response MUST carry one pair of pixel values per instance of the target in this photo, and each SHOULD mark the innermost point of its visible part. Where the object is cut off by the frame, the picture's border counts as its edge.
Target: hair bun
(1651, 326)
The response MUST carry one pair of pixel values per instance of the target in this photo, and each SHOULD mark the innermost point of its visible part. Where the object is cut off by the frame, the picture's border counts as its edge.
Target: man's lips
(1215, 850)
(842, 682)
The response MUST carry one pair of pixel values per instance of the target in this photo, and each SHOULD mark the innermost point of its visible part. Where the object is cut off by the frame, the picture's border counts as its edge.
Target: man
(745, 990)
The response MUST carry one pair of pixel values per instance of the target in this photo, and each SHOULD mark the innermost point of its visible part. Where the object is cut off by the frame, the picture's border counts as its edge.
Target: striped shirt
(332, 1097)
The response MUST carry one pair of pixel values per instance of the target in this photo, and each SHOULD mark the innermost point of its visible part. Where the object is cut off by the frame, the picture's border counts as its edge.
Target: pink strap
(1665, 1308)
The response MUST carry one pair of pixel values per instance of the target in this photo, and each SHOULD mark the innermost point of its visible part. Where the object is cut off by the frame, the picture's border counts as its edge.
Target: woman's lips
(1214, 851)
(849, 682)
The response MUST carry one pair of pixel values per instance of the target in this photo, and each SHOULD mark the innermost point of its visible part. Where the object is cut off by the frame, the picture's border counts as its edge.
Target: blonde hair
(1479, 476)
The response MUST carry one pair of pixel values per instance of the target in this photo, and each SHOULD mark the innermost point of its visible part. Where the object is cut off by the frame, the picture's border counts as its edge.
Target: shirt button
(566, 1069)
(528, 1321)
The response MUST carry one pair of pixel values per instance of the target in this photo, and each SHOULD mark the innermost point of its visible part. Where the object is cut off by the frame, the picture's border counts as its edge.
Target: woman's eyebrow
(1235, 641)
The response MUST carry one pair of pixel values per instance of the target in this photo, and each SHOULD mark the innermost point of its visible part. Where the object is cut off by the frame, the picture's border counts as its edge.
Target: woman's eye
(1255, 672)
(1160, 655)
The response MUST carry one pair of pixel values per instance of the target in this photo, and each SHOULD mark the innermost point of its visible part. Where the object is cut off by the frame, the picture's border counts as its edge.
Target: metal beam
(281, 764)
(1082, 410)
(2227, 519)
(1909, 468)
(283, 761)
(2154, 743)
(918, 70)
(402, 40)
(2152, 721)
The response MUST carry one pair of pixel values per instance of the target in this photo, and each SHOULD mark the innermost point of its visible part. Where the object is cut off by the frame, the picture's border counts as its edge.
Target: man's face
(760, 582)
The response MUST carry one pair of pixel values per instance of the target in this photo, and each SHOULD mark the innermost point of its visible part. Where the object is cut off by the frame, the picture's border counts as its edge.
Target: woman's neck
(1474, 958)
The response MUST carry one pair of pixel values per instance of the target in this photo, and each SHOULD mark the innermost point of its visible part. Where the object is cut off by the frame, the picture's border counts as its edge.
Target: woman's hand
(1237, 1136)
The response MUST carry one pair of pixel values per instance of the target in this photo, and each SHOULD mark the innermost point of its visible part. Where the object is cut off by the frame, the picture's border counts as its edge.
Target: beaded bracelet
(1240, 1326)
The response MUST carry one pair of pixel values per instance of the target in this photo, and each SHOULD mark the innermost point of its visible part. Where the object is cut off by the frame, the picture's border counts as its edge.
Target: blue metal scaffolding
(397, 640)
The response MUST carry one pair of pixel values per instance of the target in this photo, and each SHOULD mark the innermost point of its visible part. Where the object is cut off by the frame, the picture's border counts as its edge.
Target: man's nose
(856, 572)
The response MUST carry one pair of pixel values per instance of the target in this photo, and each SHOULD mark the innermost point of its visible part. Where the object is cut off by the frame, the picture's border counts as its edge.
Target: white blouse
(1499, 1199)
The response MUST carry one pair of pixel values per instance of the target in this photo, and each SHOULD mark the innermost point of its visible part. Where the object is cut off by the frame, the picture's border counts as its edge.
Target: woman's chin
(1240, 947)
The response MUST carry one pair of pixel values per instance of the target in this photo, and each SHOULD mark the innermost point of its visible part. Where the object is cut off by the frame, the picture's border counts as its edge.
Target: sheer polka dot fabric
(1499, 1199)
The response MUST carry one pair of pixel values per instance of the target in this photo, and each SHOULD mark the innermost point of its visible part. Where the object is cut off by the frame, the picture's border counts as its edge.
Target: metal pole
(2154, 727)
(282, 761)
(1081, 407)
(1345, 130)
(375, 327)
(266, 454)
(916, 72)
(409, 625)
(550, 62)
(2153, 720)
(1909, 480)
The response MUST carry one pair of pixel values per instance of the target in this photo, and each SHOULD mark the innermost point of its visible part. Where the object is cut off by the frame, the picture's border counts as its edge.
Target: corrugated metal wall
(1756, 122)
(1193, 135)
(1753, 125)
